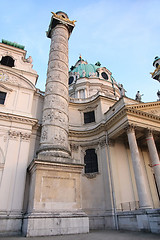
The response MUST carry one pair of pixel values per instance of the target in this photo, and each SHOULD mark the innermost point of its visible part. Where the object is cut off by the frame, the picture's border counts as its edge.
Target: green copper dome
(88, 68)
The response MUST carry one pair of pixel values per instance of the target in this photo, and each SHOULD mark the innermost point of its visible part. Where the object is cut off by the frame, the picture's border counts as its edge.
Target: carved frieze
(55, 117)
(54, 55)
(54, 88)
(58, 65)
(155, 112)
(57, 102)
(56, 46)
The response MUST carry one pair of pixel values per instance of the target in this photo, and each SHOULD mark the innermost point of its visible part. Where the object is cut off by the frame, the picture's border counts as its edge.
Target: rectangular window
(89, 117)
(2, 97)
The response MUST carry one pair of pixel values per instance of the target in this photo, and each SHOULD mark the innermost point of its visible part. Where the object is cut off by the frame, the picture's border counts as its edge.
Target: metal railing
(128, 206)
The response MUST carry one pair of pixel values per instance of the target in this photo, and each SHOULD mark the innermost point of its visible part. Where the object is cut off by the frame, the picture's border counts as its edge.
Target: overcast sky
(123, 35)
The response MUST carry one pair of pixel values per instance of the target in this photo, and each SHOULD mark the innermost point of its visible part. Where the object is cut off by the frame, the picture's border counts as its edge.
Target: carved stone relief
(13, 134)
(58, 102)
(55, 117)
(25, 136)
(44, 134)
(54, 55)
(155, 112)
(56, 46)
(54, 88)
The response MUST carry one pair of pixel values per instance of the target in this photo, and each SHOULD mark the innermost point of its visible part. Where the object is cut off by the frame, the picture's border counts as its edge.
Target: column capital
(130, 128)
(149, 132)
(60, 18)
(110, 141)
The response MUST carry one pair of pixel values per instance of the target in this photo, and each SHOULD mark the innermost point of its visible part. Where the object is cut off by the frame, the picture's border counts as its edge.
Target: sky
(123, 35)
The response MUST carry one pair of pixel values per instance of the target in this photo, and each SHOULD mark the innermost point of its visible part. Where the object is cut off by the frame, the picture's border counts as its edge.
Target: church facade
(79, 156)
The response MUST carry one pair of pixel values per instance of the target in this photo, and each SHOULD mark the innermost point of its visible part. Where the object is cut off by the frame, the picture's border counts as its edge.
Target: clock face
(104, 75)
(71, 79)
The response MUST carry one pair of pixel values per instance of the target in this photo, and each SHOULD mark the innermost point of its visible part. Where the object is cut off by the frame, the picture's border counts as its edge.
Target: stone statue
(158, 94)
(29, 59)
(138, 96)
(121, 89)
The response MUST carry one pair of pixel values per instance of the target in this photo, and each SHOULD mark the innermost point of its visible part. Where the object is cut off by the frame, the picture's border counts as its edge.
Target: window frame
(91, 161)
(3, 98)
(88, 118)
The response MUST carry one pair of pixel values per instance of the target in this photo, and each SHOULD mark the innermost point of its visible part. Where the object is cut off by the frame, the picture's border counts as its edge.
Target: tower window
(90, 161)
(89, 117)
(104, 75)
(157, 65)
(7, 61)
(2, 97)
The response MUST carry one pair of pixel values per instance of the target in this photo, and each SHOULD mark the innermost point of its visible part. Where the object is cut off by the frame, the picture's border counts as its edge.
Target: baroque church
(79, 156)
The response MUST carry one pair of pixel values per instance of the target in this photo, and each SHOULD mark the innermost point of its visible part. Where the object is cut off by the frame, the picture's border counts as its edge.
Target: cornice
(91, 101)
(87, 133)
(145, 115)
(125, 111)
(144, 105)
(16, 118)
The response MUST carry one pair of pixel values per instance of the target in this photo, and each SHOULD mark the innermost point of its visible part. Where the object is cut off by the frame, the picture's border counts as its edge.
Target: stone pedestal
(55, 178)
(54, 200)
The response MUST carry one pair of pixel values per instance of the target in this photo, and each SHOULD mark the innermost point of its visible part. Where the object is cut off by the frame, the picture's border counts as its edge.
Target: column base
(54, 224)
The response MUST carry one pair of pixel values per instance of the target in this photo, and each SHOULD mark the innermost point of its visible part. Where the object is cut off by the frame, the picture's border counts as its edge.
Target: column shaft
(154, 157)
(140, 180)
(55, 121)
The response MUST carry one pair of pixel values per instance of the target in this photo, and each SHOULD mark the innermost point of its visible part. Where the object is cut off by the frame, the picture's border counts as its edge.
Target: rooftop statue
(138, 96)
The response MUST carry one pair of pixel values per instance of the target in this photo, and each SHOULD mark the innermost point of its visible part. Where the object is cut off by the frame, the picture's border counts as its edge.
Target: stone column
(139, 177)
(55, 120)
(55, 203)
(154, 157)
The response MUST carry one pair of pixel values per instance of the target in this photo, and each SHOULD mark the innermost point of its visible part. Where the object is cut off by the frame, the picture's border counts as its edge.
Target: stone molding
(91, 175)
(14, 77)
(19, 119)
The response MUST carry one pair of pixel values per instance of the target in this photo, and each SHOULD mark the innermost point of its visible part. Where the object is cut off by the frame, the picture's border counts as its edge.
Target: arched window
(90, 161)
(7, 61)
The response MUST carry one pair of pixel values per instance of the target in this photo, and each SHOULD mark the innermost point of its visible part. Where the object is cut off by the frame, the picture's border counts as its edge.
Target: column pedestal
(54, 200)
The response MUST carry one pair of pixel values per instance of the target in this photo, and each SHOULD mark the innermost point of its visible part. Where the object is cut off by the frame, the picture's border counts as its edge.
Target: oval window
(104, 75)
(71, 79)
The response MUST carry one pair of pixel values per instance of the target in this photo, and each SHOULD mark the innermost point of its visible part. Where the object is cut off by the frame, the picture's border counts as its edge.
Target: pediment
(13, 78)
(151, 108)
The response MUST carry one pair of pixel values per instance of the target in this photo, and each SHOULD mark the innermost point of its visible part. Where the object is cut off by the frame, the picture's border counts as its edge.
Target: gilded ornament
(63, 19)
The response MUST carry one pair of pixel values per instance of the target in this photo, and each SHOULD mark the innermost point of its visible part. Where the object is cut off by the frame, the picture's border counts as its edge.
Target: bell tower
(55, 178)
